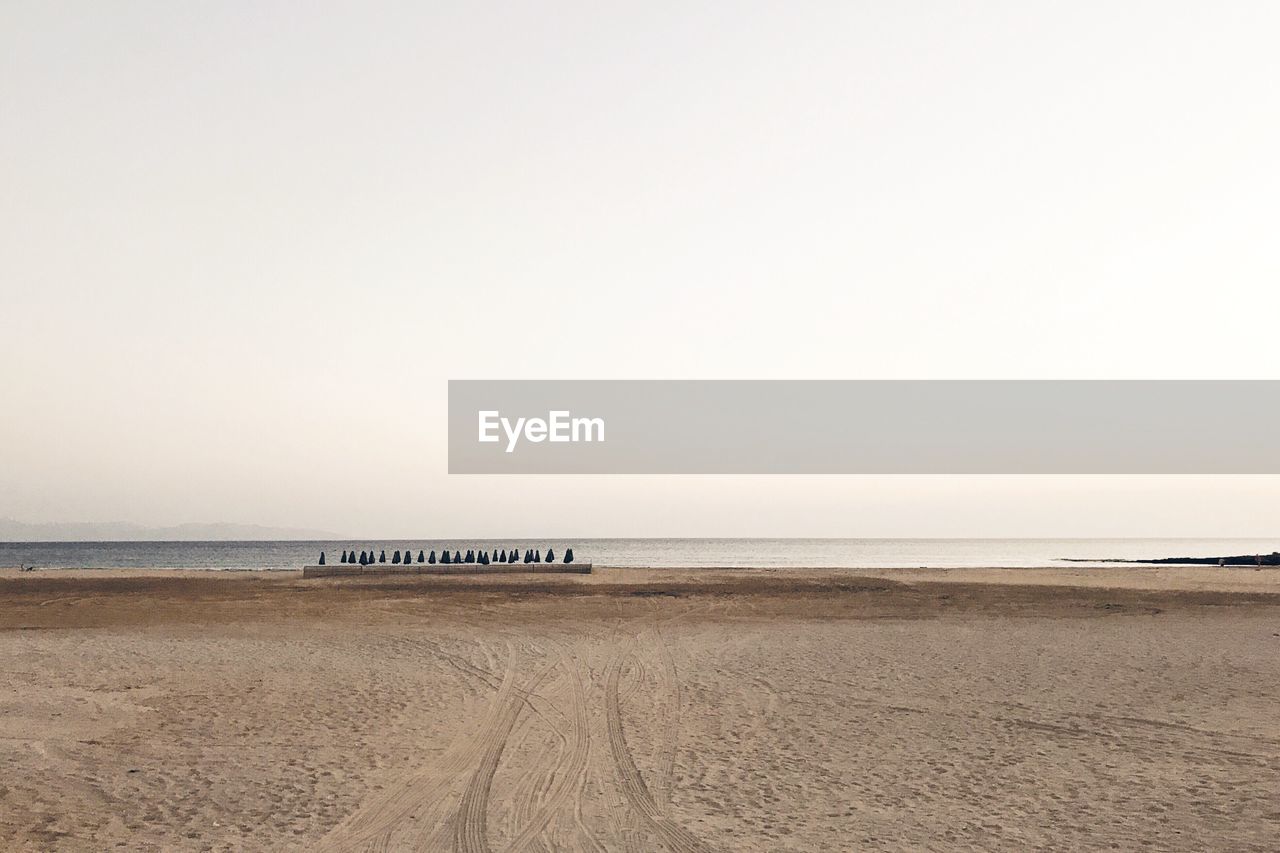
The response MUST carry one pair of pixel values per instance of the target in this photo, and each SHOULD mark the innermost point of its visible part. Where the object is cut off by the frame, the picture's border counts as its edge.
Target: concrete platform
(347, 569)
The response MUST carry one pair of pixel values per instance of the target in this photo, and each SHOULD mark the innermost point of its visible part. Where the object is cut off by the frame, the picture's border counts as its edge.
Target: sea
(675, 553)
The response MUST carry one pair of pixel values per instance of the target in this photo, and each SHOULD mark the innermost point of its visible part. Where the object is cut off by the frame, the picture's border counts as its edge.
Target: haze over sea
(676, 553)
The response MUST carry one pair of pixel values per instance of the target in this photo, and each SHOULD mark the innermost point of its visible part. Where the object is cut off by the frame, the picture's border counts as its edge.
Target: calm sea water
(685, 553)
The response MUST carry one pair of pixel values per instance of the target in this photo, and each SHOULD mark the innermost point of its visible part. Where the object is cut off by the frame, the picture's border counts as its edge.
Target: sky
(243, 246)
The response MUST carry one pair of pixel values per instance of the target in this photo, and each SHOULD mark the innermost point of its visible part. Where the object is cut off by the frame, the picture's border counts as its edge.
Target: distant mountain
(120, 531)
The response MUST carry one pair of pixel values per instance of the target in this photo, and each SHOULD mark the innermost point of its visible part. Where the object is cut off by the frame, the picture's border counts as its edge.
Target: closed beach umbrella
(322, 558)
(421, 556)
(432, 558)
(551, 556)
(382, 557)
(568, 556)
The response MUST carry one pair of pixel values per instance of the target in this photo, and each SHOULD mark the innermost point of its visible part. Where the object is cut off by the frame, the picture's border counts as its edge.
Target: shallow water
(691, 553)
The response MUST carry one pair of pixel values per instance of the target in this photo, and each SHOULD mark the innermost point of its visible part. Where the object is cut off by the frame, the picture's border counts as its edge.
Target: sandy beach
(639, 710)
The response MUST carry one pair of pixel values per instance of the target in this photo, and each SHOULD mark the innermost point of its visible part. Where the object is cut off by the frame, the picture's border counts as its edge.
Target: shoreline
(1160, 576)
(83, 598)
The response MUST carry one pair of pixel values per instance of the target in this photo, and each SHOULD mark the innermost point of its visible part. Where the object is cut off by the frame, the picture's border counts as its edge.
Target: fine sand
(642, 710)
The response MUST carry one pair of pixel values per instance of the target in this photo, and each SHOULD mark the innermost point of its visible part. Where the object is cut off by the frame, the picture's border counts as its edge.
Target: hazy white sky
(243, 246)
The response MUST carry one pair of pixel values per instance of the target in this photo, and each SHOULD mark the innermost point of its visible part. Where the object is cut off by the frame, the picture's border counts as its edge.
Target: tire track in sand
(573, 768)
(670, 727)
(531, 790)
(471, 822)
(675, 836)
(374, 824)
